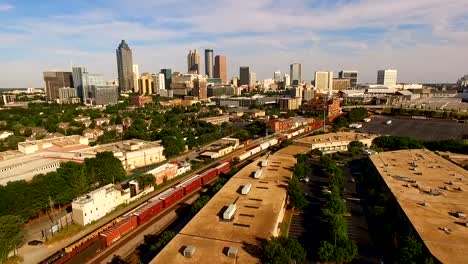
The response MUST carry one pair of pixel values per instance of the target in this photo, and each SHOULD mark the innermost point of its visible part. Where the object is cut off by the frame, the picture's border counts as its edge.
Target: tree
(199, 204)
(117, 260)
(282, 250)
(11, 234)
(357, 114)
(163, 240)
(410, 251)
(296, 194)
(286, 143)
(104, 168)
(145, 180)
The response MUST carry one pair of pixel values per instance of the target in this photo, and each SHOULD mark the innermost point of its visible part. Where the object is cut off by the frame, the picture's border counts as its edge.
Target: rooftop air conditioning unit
(232, 252)
(189, 251)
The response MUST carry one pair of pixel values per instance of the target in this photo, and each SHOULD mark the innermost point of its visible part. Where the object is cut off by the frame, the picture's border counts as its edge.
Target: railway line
(152, 208)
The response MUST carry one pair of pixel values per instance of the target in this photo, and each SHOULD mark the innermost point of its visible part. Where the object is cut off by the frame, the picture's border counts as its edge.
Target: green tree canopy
(280, 250)
(11, 234)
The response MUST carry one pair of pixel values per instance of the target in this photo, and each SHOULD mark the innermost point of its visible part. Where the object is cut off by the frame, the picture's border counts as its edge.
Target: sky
(425, 40)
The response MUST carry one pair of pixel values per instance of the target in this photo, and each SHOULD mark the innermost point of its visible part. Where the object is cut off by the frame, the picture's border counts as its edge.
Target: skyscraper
(209, 63)
(220, 68)
(136, 76)
(324, 82)
(146, 83)
(387, 77)
(252, 79)
(158, 83)
(244, 76)
(125, 67)
(287, 80)
(193, 61)
(79, 73)
(277, 76)
(56, 80)
(200, 88)
(167, 78)
(351, 75)
(295, 73)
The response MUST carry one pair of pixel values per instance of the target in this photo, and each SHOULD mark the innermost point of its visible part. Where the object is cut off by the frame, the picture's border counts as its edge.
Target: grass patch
(66, 232)
(284, 226)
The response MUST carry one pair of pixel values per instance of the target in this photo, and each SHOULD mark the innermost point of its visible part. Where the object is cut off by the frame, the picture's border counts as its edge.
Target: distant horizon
(425, 43)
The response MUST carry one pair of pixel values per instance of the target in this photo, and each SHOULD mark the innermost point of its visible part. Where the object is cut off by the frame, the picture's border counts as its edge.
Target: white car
(388, 122)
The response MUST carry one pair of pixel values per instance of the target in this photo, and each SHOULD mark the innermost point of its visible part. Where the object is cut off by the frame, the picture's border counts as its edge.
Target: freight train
(115, 229)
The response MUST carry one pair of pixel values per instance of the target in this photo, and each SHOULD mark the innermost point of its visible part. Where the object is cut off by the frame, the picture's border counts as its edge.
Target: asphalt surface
(306, 226)
(422, 129)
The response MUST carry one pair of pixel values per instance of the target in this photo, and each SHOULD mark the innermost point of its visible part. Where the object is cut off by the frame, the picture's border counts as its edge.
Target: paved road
(427, 129)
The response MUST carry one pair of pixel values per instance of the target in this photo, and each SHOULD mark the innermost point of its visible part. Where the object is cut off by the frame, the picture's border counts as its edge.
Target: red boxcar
(282, 138)
(116, 232)
(148, 211)
(209, 175)
(223, 167)
(191, 185)
(171, 196)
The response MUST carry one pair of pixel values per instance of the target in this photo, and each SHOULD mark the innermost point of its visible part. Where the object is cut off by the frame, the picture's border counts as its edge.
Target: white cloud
(6, 7)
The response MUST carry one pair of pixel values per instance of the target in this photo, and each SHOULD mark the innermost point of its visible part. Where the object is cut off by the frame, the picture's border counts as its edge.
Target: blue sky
(426, 40)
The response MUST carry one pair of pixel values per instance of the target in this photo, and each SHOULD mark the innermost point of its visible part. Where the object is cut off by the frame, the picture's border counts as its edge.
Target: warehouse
(335, 142)
(431, 192)
(237, 216)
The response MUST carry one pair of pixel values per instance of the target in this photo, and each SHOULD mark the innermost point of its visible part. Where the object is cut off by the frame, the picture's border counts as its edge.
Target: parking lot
(423, 129)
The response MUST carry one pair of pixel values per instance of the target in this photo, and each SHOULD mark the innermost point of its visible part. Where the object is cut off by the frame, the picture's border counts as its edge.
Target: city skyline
(362, 36)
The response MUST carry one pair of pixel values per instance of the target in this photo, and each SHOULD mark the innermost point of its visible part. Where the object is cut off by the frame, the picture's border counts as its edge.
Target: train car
(255, 150)
(289, 136)
(282, 138)
(114, 233)
(146, 212)
(264, 145)
(223, 167)
(244, 156)
(191, 184)
(295, 133)
(172, 196)
(209, 175)
(300, 131)
(273, 142)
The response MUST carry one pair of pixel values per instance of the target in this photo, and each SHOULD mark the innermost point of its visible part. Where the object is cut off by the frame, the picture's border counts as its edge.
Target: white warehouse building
(94, 205)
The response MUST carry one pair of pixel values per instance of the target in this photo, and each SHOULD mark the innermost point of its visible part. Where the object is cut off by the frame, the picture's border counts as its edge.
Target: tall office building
(79, 74)
(351, 75)
(146, 83)
(277, 76)
(136, 76)
(56, 80)
(158, 83)
(220, 68)
(209, 63)
(167, 78)
(200, 88)
(324, 82)
(193, 61)
(252, 79)
(105, 94)
(295, 70)
(287, 80)
(387, 77)
(244, 75)
(125, 67)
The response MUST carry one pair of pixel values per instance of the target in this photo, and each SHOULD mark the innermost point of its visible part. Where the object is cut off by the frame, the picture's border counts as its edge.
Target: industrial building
(63, 143)
(216, 120)
(132, 153)
(334, 142)
(431, 193)
(245, 211)
(93, 205)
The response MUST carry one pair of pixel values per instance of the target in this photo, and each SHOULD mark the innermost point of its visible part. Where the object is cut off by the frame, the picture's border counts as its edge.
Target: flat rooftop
(335, 137)
(427, 188)
(257, 217)
(122, 146)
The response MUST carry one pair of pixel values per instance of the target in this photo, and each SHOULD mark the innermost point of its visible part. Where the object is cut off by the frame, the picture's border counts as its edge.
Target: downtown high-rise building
(54, 81)
(79, 81)
(193, 61)
(158, 83)
(287, 80)
(125, 67)
(252, 78)
(209, 63)
(244, 75)
(324, 82)
(277, 76)
(387, 77)
(146, 83)
(220, 68)
(295, 72)
(136, 76)
(167, 78)
(351, 75)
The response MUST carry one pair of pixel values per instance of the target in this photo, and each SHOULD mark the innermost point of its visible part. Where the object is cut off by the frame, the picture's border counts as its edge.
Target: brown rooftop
(431, 191)
(258, 215)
